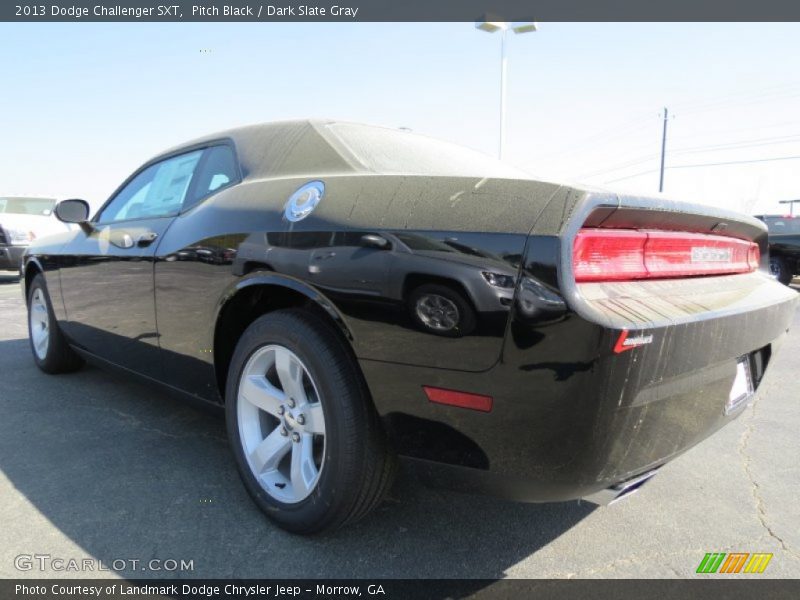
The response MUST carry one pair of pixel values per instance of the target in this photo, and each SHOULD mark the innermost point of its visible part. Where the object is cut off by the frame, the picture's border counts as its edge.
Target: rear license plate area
(743, 388)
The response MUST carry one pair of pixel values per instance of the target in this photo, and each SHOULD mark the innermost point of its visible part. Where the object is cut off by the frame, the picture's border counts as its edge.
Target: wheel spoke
(261, 393)
(304, 471)
(269, 453)
(315, 420)
(290, 373)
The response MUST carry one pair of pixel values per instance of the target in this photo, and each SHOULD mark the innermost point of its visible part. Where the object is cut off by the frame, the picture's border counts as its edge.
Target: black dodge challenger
(352, 293)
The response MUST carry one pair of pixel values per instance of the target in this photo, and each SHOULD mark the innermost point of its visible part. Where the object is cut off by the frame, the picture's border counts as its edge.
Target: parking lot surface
(96, 466)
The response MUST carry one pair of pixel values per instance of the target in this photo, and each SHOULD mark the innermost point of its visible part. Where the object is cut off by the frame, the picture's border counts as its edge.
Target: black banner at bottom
(391, 589)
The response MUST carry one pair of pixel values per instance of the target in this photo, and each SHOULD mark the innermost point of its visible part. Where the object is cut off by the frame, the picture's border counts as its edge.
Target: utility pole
(663, 150)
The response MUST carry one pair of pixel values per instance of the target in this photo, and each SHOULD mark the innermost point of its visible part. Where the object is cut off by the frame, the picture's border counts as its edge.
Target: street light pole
(504, 28)
(503, 67)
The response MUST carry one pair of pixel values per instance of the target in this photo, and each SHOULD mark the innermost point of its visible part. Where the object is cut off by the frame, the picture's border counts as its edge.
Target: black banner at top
(398, 10)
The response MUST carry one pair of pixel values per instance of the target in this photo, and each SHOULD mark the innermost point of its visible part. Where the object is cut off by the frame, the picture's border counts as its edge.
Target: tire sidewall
(781, 265)
(333, 478)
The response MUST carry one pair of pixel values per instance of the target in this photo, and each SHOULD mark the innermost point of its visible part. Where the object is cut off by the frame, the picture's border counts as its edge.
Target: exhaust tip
(619, 491)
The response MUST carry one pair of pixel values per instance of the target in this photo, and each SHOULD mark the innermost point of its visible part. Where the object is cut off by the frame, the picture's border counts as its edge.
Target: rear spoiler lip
(604, 209)
(747, 227)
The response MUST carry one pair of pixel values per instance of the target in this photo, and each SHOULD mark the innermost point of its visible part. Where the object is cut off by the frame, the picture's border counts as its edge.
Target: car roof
(279, 149)
(317, 147)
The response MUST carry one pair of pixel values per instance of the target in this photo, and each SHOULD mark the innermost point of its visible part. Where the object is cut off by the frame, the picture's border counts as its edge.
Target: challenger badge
(629, 343)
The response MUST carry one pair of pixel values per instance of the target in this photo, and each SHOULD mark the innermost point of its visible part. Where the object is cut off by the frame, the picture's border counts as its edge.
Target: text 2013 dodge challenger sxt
(351, 293)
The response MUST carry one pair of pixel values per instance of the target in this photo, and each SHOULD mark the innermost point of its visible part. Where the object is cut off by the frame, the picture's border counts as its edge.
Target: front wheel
(441, 310)
(51, 352)
(779, 267)
(307, 440)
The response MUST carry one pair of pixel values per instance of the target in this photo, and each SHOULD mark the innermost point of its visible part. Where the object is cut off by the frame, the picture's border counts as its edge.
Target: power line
(601, 137)
(702, 133)
(715, 164)
(742, 144)
(767, 94)
(737, 162)
(768, 141)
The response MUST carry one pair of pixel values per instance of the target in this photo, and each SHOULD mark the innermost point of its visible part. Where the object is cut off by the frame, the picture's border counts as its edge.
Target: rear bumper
(11, 257)
(572, 418)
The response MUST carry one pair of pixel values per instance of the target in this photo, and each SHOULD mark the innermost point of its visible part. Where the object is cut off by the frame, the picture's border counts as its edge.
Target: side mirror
(372, 240)
(72, 211)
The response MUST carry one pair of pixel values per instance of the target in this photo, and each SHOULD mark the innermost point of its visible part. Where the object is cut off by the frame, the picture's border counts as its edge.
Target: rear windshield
(27, 206)
(392, 151)
(782, 224)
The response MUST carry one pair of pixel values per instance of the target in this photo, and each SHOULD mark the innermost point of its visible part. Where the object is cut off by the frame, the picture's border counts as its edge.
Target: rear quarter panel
(235, 226)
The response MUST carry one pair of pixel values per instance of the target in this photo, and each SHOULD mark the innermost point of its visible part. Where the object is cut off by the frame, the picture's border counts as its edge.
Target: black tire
(779, 267)
(359, 464)
(58, 357)
(466, 315)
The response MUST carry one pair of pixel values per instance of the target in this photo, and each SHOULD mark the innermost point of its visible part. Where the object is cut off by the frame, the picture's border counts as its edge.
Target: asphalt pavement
(95, 466)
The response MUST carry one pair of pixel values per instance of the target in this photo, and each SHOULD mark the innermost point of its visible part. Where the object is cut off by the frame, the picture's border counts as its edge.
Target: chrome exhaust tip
(621, 490)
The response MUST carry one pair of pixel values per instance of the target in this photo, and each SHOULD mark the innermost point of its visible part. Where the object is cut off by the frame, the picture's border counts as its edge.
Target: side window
(349, 238)
(217, 170)
(157, 191)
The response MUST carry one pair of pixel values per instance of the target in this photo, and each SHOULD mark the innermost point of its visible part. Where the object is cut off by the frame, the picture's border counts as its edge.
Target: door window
(157, 191)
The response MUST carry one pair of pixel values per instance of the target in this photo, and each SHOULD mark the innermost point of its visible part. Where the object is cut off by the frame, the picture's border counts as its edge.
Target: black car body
(560, 389)
(784, 246)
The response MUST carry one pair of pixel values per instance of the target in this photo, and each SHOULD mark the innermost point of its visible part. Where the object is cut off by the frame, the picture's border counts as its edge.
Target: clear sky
(82, 105)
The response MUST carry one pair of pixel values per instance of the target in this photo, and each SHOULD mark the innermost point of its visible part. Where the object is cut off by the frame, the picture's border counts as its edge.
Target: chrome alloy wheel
(39, 321)
(437, 312)
(281, 423)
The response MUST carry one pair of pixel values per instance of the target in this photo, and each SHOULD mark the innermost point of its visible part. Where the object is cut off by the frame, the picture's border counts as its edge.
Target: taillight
(625, 254)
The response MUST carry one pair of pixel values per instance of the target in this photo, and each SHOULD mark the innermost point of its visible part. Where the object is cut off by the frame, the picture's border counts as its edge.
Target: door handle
(147, 238)
(121, 240)
(324, 256)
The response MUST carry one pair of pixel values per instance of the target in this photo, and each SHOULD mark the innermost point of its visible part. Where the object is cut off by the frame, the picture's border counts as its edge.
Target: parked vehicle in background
(784, 246)
(23, 220)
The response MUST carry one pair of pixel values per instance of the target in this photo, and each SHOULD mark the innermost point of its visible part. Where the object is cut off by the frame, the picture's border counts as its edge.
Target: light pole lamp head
(515, 26)
(524, 26)
(490, 26)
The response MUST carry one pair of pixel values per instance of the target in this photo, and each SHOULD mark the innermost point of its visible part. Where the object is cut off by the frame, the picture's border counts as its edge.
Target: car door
(354, 263)
(107, 277)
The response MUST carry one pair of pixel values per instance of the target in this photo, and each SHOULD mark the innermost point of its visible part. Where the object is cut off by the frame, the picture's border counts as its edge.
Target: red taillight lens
(623, 254)
(608, 255)
(754, 256)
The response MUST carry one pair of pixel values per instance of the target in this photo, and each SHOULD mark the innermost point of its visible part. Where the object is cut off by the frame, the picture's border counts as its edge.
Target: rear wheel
(307, 441)
(779, 267)
(51, 352)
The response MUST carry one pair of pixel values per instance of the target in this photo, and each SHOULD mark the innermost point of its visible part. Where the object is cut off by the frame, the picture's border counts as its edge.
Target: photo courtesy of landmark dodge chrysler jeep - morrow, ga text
(353, 293)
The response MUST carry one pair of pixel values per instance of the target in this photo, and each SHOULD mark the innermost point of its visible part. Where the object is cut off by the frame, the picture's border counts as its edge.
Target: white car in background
(23, 220)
